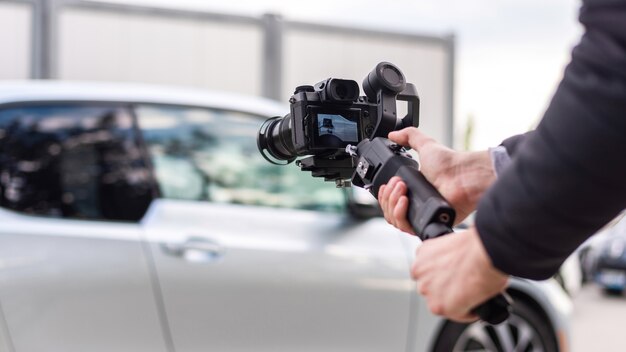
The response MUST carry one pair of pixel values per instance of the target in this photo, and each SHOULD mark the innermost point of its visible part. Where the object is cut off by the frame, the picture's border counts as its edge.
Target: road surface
(598, 321)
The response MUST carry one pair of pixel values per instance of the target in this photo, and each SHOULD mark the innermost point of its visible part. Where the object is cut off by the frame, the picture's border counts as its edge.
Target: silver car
(135, 218)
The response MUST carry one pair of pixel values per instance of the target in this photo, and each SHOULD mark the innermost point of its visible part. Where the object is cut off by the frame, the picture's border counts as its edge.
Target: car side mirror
(362, 204)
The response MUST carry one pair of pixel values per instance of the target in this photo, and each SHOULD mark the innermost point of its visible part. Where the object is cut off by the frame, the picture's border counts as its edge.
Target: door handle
(194, 249)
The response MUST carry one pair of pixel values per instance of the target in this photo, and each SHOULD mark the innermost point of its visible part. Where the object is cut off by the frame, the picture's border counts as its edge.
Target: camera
(326, 118)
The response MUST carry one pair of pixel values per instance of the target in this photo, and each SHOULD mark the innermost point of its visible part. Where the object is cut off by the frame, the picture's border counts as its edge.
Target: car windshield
(211, 155)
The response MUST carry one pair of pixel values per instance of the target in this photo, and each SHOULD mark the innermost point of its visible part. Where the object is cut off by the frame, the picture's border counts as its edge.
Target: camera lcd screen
(336, 131)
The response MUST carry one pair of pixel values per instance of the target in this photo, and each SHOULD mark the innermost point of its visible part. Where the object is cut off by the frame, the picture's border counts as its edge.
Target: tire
(526, 330)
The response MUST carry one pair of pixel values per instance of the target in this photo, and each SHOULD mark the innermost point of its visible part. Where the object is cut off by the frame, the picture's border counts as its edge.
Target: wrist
(500, 158)
(477, 175)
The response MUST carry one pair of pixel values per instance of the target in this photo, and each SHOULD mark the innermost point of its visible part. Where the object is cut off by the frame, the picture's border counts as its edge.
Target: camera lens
(274, 140)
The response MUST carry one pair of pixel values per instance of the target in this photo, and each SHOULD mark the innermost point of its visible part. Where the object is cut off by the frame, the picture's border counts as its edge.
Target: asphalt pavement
(598, 321)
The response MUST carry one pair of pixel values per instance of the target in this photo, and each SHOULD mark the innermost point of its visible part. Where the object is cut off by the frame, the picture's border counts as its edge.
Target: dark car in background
(606, 258)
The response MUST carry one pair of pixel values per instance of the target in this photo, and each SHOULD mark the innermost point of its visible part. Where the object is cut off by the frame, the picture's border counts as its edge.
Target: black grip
(495, 310)
(431, 216)
(426, 205)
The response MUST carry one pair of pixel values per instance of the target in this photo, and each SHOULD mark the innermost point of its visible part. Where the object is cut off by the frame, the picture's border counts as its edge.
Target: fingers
(415, 272)
(463, 317)
(436, 304)
(395, 204)
(384, 194)
(412, 137)
(400, 215)
(382, 200)
(399, 190)
(454, 277)
(467, 318)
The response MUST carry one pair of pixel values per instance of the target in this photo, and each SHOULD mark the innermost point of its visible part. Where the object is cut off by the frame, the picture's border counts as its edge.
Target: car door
(73, 270)
(254, 257)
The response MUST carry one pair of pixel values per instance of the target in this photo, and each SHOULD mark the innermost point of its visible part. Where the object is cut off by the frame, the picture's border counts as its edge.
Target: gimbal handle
(429, 214)
(496, 309)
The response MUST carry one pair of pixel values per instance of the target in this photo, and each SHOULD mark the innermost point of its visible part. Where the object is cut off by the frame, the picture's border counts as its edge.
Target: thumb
(412, 137)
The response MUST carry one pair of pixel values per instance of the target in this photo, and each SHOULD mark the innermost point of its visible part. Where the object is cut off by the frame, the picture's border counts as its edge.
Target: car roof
(38, 91)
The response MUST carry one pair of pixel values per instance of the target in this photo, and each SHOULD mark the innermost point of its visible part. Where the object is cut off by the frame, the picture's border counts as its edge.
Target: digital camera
(324, 119)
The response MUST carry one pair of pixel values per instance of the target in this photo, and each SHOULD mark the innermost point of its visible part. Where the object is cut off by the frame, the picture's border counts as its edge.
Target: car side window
(211, 155)
(73, 161)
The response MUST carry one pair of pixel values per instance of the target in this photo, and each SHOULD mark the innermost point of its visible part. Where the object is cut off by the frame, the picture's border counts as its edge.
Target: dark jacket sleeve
(568, 177)
(512, 143)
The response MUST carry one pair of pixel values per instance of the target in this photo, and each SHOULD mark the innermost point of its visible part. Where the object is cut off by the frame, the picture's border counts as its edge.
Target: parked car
(606, 258)
(570, 275)
(137, 218)
(588, 253)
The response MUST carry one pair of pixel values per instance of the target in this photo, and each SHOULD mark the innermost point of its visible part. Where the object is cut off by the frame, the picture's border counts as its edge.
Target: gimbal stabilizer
(324, 123)
(429, 214)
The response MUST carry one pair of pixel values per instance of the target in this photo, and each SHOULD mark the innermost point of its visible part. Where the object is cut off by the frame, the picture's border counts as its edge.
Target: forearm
(566, 179)
(476, 174)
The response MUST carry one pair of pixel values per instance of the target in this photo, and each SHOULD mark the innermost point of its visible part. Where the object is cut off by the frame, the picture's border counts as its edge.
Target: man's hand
(460, 177)
(454, 274)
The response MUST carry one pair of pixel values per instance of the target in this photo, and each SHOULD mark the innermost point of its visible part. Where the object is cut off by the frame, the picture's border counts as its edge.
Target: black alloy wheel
(525, 331)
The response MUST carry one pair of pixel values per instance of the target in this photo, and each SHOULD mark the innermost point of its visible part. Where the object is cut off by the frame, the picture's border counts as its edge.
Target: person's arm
(461, 177)
(512, 143)
(502, 154)
(568, 178)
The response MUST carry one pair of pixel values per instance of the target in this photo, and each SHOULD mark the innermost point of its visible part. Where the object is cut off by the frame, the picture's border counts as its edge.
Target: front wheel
(525, 330)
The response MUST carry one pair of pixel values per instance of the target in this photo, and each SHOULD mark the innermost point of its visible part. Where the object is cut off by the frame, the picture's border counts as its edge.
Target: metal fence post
(271, 85)
(43, 34)
(451, 39)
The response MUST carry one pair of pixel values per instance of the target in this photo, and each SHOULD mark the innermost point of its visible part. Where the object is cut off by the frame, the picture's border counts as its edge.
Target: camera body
(329, 116)
(324, 119)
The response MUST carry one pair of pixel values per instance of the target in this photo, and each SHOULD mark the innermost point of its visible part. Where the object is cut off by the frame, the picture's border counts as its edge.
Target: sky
(510, 53)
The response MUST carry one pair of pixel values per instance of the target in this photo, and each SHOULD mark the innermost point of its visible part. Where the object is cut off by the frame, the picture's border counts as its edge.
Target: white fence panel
(15, 40)
(313, 55)
(113, 46)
